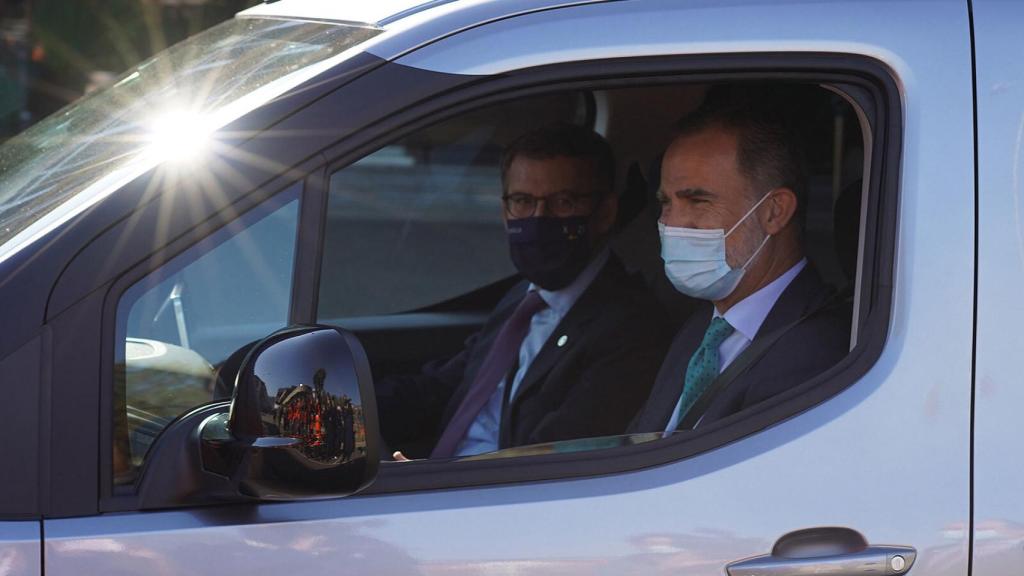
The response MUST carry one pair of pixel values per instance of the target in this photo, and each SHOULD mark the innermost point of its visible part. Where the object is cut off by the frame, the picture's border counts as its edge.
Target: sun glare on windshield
(178, 136)
(164, 112)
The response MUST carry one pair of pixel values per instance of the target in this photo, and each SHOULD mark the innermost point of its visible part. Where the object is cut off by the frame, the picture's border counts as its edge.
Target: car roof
(386, 13)
(375, 13)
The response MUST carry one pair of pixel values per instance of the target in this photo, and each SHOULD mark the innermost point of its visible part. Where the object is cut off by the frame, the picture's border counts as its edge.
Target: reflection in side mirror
(302, 421)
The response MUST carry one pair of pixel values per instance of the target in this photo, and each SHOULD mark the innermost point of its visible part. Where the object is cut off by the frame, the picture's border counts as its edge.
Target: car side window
(403, 212)
(182, 321)
(418, 222)
(415, 263)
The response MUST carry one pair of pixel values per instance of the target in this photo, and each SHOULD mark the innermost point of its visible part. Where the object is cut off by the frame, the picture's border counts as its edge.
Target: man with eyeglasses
(571, 351)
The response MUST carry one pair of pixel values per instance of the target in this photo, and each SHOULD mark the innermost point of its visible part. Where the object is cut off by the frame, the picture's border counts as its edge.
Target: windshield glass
(109, 137)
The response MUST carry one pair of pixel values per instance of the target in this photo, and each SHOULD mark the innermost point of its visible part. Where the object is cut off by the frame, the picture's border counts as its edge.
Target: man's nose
(542, 208)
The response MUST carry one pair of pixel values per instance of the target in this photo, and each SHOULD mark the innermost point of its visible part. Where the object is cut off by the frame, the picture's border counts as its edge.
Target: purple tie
(494, 369)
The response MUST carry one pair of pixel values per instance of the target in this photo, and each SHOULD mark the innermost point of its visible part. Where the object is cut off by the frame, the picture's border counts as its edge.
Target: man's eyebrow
(562, 191)
(688, 193)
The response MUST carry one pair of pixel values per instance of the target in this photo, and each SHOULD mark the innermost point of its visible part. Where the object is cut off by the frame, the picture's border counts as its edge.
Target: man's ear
(606, 213)
(781, 207)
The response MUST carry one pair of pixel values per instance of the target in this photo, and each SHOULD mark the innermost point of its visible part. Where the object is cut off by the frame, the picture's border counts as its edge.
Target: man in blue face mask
(732, 196)
(572, 350)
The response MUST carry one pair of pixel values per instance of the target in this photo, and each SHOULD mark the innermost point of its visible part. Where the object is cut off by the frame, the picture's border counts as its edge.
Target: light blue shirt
(482, 435)
(746, 316)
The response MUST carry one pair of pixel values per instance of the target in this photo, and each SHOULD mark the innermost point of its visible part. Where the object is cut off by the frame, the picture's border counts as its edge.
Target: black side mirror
(303, 421)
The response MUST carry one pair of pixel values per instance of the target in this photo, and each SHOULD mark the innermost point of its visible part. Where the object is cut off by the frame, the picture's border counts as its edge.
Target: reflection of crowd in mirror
(324, 423)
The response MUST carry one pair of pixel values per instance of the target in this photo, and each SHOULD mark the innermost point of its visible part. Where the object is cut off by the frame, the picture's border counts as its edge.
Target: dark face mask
(549, 251)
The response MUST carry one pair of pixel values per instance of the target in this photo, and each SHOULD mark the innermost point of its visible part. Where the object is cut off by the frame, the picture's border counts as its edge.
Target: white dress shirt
(746, 316)
(482, 435)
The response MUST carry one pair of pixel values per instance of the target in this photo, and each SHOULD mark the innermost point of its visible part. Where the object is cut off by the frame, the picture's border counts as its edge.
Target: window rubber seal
(886, 126)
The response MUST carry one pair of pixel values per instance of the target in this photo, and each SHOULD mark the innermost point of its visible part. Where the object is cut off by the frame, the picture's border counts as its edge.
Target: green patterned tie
(703, 367)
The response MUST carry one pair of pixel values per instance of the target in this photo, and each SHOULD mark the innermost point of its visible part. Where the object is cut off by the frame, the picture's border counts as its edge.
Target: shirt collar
(562, 300)
(747, 315)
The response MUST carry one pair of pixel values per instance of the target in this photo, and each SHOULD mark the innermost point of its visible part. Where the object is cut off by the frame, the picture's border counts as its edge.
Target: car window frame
(274, 195)
(836, 70)
(441, 96)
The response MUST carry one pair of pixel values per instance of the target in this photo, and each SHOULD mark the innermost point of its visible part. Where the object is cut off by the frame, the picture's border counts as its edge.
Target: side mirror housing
(303, 419)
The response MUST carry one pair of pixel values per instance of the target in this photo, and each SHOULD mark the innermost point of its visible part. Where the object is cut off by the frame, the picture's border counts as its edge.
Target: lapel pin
(562, 340)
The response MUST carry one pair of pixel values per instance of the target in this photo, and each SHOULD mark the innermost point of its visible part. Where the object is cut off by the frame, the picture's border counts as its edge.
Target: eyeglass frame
(573, 203)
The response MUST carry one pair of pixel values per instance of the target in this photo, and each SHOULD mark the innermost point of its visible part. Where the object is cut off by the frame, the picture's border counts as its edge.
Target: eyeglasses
(521, 205)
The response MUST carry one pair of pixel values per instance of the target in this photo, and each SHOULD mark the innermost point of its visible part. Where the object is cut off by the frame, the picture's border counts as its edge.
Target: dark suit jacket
(806, 350)
(615, 338)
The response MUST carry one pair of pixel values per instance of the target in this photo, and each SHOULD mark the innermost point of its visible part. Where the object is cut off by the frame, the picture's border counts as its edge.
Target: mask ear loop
(751, 211)
(766, 237)
(756, 252)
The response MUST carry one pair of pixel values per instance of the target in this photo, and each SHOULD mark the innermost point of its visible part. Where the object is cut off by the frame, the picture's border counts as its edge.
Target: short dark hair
(769, 153)
(569, 140)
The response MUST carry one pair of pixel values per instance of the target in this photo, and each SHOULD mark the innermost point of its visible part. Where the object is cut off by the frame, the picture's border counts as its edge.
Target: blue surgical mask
(695, 260)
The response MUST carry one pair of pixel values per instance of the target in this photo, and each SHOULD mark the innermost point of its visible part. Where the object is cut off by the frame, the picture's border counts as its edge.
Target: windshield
(74, 157)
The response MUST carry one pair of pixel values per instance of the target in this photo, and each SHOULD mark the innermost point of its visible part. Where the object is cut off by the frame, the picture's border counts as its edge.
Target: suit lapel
(668, 386)
(488, 333)
(804, 293)
(571, 328)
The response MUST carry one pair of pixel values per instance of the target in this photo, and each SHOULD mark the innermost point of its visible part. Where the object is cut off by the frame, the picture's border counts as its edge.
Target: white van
(315, 183)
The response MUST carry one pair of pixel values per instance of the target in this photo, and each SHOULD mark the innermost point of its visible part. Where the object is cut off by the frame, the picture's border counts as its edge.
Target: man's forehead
(558, 171)
(559, 161)
(701, 161)
(708, 142)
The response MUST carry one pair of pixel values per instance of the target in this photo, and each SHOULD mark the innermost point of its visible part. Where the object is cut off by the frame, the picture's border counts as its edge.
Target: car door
(998, 516)
(881, 446)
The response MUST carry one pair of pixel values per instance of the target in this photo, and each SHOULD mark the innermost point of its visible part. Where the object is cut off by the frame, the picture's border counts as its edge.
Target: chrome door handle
(832, 551)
